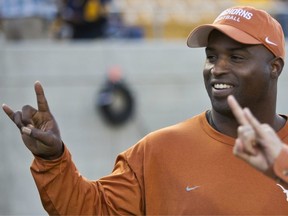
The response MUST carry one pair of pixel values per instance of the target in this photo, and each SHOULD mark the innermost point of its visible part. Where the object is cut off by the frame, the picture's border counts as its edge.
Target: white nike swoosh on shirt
(191, 188)
(284, 191)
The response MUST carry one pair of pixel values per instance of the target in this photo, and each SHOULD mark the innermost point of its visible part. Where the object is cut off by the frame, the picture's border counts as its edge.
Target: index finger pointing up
(41, 99)
(237, 110)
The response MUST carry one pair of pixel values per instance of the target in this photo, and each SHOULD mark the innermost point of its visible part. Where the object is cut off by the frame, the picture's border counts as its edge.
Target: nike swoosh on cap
(270, 42)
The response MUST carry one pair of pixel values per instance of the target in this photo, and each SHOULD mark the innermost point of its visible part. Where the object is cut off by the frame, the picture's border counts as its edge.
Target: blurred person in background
(187, 168)
(27, 19)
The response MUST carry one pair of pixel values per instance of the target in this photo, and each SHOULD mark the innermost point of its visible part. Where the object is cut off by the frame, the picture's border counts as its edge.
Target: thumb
(27, 130)
(238, 147)
(30, 131)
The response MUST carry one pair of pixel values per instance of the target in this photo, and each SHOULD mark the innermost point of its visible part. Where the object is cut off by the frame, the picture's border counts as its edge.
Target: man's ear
(277, 65)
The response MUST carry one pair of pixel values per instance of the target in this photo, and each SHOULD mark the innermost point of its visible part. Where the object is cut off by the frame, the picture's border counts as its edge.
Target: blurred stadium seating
(170, 19)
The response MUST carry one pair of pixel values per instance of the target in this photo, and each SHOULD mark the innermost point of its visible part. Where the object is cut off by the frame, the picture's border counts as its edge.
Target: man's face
(237, 69)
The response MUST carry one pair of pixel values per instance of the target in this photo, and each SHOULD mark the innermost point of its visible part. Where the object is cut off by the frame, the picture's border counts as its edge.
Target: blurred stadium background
(145, 40)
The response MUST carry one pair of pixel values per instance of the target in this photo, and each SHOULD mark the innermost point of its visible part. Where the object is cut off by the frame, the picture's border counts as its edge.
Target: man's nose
(220, 66)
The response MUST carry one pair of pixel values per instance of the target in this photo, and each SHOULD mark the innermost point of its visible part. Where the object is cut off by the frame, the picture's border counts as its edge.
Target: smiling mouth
(220, 86)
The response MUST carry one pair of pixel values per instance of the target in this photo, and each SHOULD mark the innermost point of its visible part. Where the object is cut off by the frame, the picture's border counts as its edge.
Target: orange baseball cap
(246, 25)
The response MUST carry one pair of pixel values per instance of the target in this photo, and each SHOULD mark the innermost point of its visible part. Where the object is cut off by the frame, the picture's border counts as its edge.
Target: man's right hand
(38, 128)
(257, 144)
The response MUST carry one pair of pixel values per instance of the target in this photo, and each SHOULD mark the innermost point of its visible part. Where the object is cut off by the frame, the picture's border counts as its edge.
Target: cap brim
(199, 36)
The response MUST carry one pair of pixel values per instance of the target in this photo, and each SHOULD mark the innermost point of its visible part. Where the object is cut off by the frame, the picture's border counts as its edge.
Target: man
(187, 168)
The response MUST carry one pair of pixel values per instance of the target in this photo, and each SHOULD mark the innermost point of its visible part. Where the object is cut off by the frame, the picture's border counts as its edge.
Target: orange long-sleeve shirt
(187, 168)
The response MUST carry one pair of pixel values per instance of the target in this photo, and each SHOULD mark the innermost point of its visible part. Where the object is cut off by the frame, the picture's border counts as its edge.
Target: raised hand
(257, 144)
(38, 128)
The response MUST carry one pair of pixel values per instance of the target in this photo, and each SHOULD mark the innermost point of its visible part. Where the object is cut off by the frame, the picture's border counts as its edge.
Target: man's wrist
(52, 157)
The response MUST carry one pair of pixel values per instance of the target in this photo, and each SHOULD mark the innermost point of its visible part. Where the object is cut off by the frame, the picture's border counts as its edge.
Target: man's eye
(211, 58)
(237, 58)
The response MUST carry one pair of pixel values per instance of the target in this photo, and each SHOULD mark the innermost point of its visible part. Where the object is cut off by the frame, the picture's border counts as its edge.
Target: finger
(37, 134)
(30, 131)
(248, 138)
(251, 118)
(249, 135)
(237, 110)
(9, 112)
(41, 99)
(27, 130)
(238, 150)
(238, 147)
(16, 117)
(255, 123)
(27, 114)
(268, 130)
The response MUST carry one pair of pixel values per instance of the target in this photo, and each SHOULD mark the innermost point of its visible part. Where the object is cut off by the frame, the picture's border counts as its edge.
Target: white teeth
(222, 86)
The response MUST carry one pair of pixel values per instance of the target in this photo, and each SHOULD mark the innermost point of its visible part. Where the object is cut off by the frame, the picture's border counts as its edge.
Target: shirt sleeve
(281, 164)
(64, 191)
